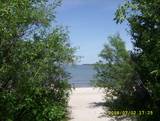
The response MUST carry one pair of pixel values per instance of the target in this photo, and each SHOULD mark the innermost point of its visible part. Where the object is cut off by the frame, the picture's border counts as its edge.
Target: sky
(89, 23)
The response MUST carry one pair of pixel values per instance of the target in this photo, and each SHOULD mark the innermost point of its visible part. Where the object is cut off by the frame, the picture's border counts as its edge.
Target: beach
(86, 104)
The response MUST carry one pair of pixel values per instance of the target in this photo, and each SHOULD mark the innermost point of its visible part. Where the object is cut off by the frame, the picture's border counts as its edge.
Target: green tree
(33, 83)
(116, 74)
(144, 21)
(115, 61)
(115, 70)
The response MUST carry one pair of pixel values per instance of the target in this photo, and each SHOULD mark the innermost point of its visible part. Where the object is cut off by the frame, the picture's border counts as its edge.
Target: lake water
(81, 75)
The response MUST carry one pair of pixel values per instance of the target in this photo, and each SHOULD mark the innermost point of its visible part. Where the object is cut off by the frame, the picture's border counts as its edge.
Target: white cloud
(70, 4)
(73, 2)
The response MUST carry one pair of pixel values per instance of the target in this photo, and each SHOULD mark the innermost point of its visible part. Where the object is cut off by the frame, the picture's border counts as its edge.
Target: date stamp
(129, 113)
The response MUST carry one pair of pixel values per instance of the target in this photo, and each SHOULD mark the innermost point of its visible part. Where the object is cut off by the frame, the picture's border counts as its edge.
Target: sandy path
(86, 105)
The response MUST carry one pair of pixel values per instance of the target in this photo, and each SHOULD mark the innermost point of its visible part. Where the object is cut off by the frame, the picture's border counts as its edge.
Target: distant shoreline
(79, 85)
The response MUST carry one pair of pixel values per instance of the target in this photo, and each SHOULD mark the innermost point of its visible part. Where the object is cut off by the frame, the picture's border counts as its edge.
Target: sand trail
(86, 104)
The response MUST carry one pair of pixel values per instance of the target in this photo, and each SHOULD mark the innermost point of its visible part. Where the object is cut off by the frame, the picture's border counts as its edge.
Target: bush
(117, 75)
(33, 83)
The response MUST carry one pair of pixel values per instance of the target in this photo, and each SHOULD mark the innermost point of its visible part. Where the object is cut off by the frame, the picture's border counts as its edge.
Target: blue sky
(90, 22)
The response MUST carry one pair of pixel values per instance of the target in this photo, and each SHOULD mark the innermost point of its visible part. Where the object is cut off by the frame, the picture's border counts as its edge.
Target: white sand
(86, 105)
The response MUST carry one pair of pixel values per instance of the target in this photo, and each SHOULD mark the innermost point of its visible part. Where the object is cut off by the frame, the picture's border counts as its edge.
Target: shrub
(33, 83)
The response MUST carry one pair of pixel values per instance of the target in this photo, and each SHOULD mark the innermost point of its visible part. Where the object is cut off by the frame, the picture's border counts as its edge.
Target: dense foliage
(115, 61)
(143, 18)
(116, 74)
(144, 21)
(33, 84)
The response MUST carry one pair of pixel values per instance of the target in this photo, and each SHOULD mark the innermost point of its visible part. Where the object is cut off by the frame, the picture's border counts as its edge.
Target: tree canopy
(143, 84)
(115, 61)
(144, 21)
(33, 83)
(143, 18)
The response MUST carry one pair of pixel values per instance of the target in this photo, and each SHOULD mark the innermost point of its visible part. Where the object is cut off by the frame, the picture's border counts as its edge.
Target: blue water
(81, 75)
